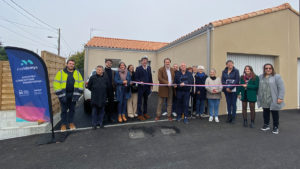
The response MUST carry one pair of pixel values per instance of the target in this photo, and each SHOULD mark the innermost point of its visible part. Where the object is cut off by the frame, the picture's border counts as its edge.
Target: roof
(125, 44)
(154, 46)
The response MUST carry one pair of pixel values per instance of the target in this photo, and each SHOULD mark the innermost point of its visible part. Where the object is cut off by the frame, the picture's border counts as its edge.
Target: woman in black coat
(200, 91)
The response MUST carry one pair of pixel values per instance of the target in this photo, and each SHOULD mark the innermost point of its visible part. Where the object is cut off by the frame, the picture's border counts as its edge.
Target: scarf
(201, 74)
(123, 74)
(213, 77)
(247, 77)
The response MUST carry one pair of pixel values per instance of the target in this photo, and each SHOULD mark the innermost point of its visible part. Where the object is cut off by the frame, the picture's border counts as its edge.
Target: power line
(32, 15)
(29, 26)
(40, 40)
(20, 12)
(70, 48)
(25, 36)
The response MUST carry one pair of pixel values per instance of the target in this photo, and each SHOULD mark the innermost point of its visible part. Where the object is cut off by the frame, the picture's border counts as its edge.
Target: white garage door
(256, 61)
(299, 83)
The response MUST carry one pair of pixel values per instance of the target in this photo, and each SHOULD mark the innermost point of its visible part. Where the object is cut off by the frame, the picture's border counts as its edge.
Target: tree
(3, 55)
(79, 60)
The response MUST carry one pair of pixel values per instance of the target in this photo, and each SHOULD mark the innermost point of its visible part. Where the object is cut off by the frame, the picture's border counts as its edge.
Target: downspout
(208, 57)
(85, 69)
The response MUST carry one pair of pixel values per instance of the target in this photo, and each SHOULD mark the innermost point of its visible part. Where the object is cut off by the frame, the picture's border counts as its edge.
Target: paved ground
(199, 144)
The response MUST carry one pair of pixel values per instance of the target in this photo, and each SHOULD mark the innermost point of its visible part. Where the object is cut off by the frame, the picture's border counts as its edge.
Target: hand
(279, 101)
(175, 86)
(228, 90)
(244, 85)
(181, 84)
(239, 96)
(170, 84)
(125, 82)
(198, 92)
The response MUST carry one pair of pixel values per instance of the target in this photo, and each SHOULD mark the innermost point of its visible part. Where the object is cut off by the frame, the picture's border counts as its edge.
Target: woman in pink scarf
(122, 80)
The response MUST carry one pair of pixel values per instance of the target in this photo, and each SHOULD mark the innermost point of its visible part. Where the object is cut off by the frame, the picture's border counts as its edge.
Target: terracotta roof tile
(253, 14)
(152, 46)
(124, 43)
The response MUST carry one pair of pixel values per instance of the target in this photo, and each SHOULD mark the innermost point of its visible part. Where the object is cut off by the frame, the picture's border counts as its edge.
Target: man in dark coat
(111, 115)
(98, 85)
(183, 78)
(143, 74)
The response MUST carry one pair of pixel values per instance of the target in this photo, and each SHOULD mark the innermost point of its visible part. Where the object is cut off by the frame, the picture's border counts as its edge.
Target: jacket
(133, 86)
(252, 89)
(60, 84)
(98, 85)
(230, 79)
(210, 94)
(163, 91)
(277, 91)
(120, 88)
(186, 78)
(200, 80)
(142, 75)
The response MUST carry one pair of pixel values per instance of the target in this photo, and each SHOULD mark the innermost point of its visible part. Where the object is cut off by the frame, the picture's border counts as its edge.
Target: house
(266, 36)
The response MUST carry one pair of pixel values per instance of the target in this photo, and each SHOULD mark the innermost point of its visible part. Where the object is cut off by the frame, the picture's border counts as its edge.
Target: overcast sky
(151, 20)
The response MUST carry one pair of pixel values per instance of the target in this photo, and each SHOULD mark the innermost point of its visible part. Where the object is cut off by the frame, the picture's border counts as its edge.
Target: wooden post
(1, 68)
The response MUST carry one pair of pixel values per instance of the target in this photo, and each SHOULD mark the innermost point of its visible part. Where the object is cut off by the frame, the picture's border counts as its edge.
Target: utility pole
(58, 43)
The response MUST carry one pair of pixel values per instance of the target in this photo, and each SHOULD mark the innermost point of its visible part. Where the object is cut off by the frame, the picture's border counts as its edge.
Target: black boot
(252, 124)
(245, 123)
(229, 119)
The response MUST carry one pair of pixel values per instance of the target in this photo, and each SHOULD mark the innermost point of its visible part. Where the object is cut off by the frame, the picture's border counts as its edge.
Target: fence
(53, 62)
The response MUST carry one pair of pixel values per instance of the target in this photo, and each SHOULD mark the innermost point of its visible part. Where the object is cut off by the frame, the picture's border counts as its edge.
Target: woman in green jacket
(248, 93)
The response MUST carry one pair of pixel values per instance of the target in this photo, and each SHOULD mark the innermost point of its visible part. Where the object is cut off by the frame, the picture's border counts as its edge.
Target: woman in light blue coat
(122, 81)
(270, 97)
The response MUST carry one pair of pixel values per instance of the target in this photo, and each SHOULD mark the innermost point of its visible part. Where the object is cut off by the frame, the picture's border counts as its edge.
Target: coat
(233, 78)
(186, 78)
(98, 85)
(210, 94)
(143, 76)
(252, 89)
(120, 88)
(277, 91)
(163, 91)
(200, 80)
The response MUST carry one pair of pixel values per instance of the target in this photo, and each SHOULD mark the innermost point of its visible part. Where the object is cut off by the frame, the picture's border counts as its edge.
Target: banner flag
(31, 85)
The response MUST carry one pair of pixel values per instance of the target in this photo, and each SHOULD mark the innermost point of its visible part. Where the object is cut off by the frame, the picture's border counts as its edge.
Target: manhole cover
(136, 134)
(166, 131)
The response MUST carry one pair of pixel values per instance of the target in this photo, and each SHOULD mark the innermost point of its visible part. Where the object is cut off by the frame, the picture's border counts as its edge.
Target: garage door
(299, 83)
(256, 61)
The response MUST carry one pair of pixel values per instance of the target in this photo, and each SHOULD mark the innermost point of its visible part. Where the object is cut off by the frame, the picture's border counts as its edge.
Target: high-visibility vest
(60, 84)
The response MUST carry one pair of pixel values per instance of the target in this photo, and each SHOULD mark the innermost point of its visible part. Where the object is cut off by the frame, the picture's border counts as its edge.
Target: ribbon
(190, 85)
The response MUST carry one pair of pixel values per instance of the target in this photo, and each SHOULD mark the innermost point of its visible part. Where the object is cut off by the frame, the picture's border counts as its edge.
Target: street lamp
(58, 41)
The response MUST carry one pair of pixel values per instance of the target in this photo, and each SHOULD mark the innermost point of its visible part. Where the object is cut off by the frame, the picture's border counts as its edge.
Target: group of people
(179, 87)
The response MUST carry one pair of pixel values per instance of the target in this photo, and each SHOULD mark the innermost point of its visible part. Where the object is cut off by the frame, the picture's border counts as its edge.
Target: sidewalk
(199, 144)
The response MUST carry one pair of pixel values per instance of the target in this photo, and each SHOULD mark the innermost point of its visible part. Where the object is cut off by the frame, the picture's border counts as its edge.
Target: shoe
(265, 127)
(141, 118)
(275, 130)
(120, 120)
(204, 115)
(197, 115)
(232, 120)
(135, 115)
(194, 113)
(178, 119)
(245, 123)
(174, 114)
(147, 116)
(63, 128)
(170, 118)
(94, 127)
(229, 119)
(251, 124)
(210, 118)
(101, 126)
(217, 120)
(185, 120)
(165, 113)
(124, 117)
(157, 118)
(72, 126)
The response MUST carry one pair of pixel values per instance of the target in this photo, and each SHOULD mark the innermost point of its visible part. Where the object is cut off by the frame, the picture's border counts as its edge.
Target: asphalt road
(163, 145)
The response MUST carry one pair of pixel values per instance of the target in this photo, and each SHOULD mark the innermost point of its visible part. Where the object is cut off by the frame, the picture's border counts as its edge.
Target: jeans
(275, 115)
(231, 99)
(67, 111)
(200, 106)
(97, 115)
(122, 106)
(213, 105)
(182, 103)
